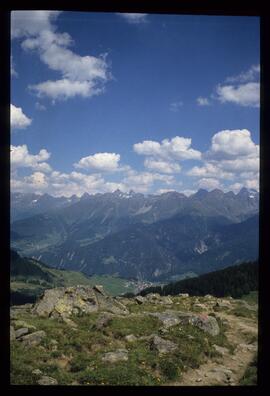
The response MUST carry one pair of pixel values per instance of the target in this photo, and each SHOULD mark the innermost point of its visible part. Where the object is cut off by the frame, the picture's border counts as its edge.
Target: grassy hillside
(29, 278)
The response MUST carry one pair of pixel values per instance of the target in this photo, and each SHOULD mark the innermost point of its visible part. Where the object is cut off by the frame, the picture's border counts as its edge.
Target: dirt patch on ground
(229, 368)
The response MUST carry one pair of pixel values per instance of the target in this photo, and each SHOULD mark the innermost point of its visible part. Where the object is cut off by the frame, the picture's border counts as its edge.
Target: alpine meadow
(134, 199)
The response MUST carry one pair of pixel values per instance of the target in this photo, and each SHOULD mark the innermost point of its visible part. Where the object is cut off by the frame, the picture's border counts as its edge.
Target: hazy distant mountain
(26, 205)
(149, 237)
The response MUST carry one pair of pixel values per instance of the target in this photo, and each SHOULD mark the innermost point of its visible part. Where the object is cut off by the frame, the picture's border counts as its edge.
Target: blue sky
(152, 103)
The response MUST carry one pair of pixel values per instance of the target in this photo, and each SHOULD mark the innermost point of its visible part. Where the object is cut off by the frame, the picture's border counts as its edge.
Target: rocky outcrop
(77, 300)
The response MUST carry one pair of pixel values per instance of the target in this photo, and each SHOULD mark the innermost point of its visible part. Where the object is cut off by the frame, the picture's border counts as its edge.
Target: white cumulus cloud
(161, 166)
(18, 119)
(244, 94)
(209, 183)
(249, 75)
(178, 148)
(81, 75)
(233, 144)
(102, 162)
(21, 158)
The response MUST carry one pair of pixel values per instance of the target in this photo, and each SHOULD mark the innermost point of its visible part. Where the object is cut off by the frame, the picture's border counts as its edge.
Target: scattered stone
(54, 345)
(140, 299)
(33, 339)
(183, 295)
(153, 297)
(222, 350)
(130, 338)
(125, 300)
(163, 346)
(163, 330)
(120, 355)
(21, 332)
(199, 380)
(12, 334)
(190, 337)
(99, 289)
(45, 380)
(220, 374)
(70, 322)
(168, 319)
(166, 300)
(200, 305)
(248, 347)
(224, 304)
(103, 320)
(37, 372)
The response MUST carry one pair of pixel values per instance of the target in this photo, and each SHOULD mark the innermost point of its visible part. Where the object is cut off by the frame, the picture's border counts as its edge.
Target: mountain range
(154, 237)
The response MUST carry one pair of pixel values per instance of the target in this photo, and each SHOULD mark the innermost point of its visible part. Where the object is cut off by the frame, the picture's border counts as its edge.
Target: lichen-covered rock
(76, 300)
(162, 345)
(120, 355)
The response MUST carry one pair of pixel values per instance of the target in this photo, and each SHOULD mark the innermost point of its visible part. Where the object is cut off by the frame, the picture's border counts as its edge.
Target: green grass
(251, 298)
(250, 375)
(244, 312)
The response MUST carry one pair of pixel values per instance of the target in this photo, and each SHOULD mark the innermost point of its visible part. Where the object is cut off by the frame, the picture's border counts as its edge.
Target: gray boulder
(103, 320)
(120, 355)
(140, 299)
(45, 380)
(130, 338)
(21, 332)
(168, 319)
(206, 323)
(33, 339)
(162, 346)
